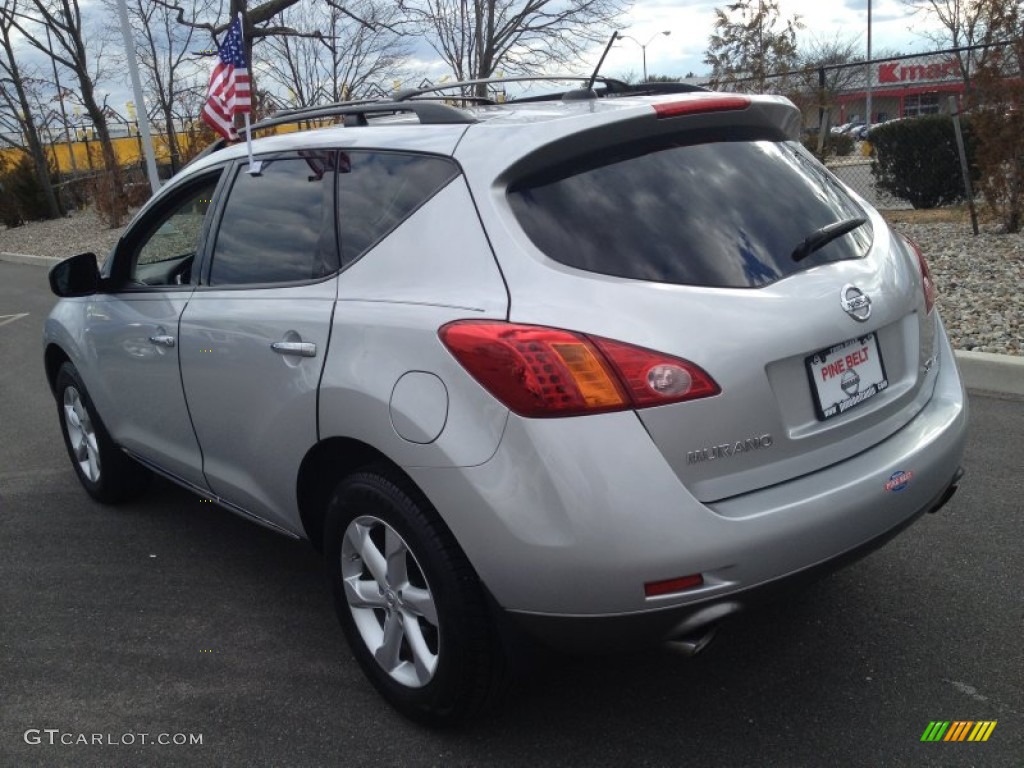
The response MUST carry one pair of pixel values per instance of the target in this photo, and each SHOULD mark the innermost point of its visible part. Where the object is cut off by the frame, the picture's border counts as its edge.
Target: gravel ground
(980, 279)
(980, 282)
(80, 232)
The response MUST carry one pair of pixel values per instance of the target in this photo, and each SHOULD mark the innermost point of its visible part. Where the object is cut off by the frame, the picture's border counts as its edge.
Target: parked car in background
(601, 371)
(848, 128)
(886, 122)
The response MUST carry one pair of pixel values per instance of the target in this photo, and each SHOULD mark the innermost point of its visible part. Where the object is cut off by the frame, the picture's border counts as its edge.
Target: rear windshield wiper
(822, 237)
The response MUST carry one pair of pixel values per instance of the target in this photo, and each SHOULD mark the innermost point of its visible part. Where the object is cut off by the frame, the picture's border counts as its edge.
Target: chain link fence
(841, 103)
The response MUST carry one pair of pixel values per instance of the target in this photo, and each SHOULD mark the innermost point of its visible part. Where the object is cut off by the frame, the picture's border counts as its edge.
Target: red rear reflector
(667, 587)
(538, 371)
(698, 104)
(927, 281)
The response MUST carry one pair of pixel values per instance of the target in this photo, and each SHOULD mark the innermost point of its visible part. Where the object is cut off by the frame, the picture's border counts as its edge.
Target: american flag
(228, 94)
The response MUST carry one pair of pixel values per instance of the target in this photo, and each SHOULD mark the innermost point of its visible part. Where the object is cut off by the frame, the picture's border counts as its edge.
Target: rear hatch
(730, 246)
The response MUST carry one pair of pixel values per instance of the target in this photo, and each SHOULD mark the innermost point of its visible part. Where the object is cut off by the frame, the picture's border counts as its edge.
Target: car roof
(429, 125)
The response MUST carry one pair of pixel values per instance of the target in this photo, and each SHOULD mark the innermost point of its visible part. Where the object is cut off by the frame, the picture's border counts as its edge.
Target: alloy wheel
(390, 600)
(81, 435)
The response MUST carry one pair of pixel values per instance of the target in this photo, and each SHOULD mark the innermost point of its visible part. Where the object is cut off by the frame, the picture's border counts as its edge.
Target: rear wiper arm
(822, 237)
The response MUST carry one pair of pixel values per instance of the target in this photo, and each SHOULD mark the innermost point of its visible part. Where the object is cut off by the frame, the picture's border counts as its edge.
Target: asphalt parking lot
(172, 618)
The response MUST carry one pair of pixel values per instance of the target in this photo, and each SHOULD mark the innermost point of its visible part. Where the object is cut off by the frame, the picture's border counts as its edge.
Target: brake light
(927, 281)
(699, 104)
(538, 371)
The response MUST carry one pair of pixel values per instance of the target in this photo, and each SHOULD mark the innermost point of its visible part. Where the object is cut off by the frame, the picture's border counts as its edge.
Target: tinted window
(724, 214)
(378, 190)
(278, 226)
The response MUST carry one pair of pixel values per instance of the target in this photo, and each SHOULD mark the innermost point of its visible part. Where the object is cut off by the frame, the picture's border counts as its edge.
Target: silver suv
(597, 370)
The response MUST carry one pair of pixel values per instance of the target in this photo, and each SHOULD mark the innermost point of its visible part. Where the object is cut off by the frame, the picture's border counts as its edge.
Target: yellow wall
(88, 154)
(127, 150)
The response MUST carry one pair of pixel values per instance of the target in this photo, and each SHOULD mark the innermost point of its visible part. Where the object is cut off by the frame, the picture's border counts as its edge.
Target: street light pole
(643, 46)
(140, 100)
(867, 117)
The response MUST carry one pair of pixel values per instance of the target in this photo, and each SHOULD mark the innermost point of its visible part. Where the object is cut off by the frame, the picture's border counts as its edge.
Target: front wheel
(410, 604)
(105, 472)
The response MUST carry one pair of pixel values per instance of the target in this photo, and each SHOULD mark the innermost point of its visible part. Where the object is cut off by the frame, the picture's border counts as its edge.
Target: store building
(904, 87)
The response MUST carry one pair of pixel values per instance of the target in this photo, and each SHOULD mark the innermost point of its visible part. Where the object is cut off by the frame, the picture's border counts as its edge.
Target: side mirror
(76, 276)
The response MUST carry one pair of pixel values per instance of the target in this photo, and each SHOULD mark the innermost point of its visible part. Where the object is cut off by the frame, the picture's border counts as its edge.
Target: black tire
(105, 471)
(469, 668)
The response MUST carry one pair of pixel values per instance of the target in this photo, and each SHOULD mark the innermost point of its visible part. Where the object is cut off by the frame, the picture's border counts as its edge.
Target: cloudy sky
(690, 23)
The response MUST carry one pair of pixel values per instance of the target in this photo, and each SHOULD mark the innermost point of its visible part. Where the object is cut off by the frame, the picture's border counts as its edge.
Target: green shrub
(106, 190)
(916, 160)
(841, 145)
(21, 196)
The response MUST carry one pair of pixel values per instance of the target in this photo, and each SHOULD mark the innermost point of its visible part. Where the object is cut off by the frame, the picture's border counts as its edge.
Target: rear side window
(278, 226)
(377, 191)
(720, 214)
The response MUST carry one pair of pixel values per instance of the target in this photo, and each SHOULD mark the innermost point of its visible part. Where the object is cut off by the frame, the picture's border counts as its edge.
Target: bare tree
(961, 24)
(750, 43)
(998, 121)
(69, 29)
(14, 98)
(826, 68)
(349, 57)
(478, 37)
(258, 22)
(163, 48)
(834, 55)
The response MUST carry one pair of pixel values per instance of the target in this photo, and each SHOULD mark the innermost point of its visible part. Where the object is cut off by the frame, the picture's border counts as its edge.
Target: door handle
(163, 340)
(297, 348)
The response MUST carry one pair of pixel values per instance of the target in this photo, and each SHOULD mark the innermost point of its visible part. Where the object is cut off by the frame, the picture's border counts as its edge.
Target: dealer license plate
(846, 375)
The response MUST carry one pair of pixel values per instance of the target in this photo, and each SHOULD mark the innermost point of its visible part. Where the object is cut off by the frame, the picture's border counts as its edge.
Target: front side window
(164, 250)
(278, 226)
(377, 191)
(691, 212)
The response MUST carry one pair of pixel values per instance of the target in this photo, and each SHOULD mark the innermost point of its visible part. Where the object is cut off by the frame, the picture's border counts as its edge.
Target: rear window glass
(723, 214)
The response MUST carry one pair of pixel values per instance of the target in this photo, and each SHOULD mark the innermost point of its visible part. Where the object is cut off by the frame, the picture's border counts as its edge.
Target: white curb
(985, 372)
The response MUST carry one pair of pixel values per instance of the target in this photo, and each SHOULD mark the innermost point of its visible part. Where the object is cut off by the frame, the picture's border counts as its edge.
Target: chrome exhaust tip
(691, 645)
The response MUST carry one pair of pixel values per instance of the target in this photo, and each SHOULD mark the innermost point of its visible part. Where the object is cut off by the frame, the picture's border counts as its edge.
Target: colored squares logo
(958, 730)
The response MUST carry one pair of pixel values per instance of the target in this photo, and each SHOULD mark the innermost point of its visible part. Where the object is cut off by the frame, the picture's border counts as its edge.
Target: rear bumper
(600, 633)
(571, 517)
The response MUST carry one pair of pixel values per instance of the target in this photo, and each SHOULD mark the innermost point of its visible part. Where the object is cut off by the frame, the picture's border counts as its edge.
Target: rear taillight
(538, 371)
(927, 282)
(699, 103)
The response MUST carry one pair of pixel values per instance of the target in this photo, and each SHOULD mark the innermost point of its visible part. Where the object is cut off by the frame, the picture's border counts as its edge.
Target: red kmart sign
(895, 72)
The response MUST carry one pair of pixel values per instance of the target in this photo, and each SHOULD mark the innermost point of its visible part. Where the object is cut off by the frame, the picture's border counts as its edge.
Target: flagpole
(254, 165)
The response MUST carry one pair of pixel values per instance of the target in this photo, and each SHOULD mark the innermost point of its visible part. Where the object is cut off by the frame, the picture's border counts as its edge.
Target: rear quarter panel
(435, 268)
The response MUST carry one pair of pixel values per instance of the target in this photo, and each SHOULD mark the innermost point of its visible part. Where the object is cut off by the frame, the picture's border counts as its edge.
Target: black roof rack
(611, 86)
(428, 112)
(298, 110)
(626, 89)
(659, 88)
